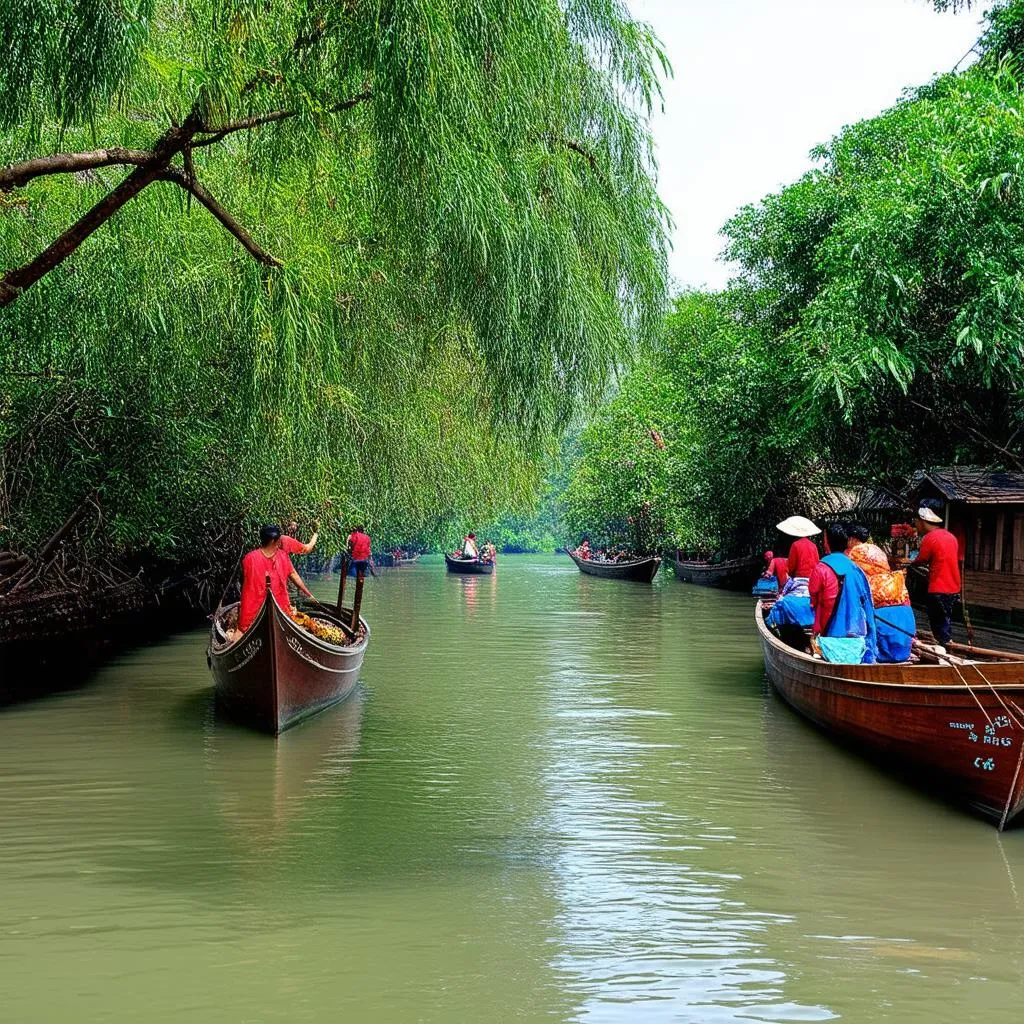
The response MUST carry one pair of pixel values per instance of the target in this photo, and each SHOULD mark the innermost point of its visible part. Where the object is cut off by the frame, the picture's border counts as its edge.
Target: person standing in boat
(469, 548)
(269, 560)
(583, 551)
(844, 615)
(290, 543)
(941, 553)
(359, 546)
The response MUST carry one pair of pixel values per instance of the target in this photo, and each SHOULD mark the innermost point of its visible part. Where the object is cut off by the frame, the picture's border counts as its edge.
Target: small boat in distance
(468, 566)
(277, 673)
(400, 563)
(736, 574)
(956, 726)
(639, 570)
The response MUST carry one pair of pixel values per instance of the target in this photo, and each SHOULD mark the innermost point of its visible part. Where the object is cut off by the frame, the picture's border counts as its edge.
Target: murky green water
(556, 798)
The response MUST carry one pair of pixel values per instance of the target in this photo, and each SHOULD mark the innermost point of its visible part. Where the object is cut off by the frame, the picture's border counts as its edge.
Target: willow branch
(69, 163)
(196, 190)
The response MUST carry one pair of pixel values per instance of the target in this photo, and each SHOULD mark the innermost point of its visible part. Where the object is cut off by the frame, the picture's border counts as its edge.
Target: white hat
(797, 526)
(928, 515)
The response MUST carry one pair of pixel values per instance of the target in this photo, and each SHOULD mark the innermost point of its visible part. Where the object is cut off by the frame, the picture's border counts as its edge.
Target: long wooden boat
(956, 728)
(640, 570)
(468, 566)
(277, 673)
(736, 574)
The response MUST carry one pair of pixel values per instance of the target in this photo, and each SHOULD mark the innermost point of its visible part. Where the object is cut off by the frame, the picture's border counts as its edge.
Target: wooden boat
(278, 673)
(640, 570)
(737, 574)
(957, 728)
(403, 562)
(468, 566)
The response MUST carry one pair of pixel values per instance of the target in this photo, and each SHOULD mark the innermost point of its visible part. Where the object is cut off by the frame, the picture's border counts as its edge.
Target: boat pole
(360, 578)
(341, 585)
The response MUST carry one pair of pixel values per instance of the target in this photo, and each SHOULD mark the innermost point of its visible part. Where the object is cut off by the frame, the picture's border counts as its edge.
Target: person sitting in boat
(791, 615)
(268, 560)
(803, 552)
(290, 543)
(583, 551)
(895, 625)
(469, 548)
(776, 569)
(359, 550)
(843, 630)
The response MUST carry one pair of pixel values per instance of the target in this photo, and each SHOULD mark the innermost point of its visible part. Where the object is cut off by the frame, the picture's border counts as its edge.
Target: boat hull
(278, 674)
(959, 739)
(738, 574)
(468, 567)
(643, 570)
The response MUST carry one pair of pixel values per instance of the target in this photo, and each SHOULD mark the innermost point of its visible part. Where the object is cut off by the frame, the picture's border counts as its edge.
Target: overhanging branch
(194, 188)
(69, 163)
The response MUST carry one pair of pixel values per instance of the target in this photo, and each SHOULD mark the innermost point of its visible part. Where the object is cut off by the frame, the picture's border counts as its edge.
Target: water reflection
(265, 784)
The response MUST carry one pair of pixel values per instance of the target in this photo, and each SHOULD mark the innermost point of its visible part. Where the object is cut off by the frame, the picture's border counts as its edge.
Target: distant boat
(639, 570)
(737, 574)
(401, 562)
(958, 728)
(278, 673)
(468, 566)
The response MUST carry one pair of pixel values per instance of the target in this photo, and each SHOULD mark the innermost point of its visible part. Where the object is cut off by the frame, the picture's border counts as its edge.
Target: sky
(759, 83)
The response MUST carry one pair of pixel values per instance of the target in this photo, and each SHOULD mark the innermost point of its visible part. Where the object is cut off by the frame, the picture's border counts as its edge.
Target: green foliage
(466, 251)
(875, 326)
(698, 443)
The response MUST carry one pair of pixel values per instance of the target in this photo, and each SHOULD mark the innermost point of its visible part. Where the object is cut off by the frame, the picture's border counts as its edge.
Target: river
(553, 798)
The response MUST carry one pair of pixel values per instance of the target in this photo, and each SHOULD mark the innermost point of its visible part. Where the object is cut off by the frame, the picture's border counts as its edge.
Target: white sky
(758, 83)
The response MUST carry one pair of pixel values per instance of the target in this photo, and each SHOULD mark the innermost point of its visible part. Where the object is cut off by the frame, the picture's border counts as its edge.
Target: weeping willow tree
(358, 259)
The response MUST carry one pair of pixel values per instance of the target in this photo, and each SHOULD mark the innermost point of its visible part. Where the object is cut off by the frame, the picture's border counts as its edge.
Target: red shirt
(939, 549)
(823, 586)
(255, 568)
(291, 546)
(803, 557)
(359, 545)
(779, 568)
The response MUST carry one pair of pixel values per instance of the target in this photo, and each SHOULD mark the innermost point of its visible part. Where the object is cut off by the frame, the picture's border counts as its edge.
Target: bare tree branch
(68, 163)
(193, 187)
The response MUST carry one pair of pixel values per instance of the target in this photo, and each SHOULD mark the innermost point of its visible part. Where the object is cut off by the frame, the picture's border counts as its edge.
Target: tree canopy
(875, 324)
(343, 259)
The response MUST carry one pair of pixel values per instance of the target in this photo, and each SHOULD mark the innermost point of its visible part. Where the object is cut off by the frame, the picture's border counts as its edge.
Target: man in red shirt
(941, 553)
(267, 561)
(291, 545)
(359, 550)
(803, 553)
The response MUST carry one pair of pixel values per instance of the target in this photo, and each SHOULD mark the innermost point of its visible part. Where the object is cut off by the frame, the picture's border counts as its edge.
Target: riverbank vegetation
(875, 325)
(275, 259)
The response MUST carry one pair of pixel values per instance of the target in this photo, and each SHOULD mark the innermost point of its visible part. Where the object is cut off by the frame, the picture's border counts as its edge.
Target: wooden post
(1018, 542)
(997, 555)
(341, 586)
(358, 601)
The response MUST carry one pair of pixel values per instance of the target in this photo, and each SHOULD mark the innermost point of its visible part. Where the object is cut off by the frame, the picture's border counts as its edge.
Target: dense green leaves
(463, 205)
(875, 326)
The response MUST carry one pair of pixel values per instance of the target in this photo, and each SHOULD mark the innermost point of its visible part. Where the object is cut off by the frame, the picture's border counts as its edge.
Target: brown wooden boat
(737, 574)
(639, 570)
(958, 728)
(468, 566)
(278, 673)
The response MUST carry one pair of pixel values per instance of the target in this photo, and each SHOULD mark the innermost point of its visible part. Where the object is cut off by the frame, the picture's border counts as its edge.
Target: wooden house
(985, 510)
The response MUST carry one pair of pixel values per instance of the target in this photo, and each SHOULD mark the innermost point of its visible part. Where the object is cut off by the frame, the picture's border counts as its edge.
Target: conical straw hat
(798, 526)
